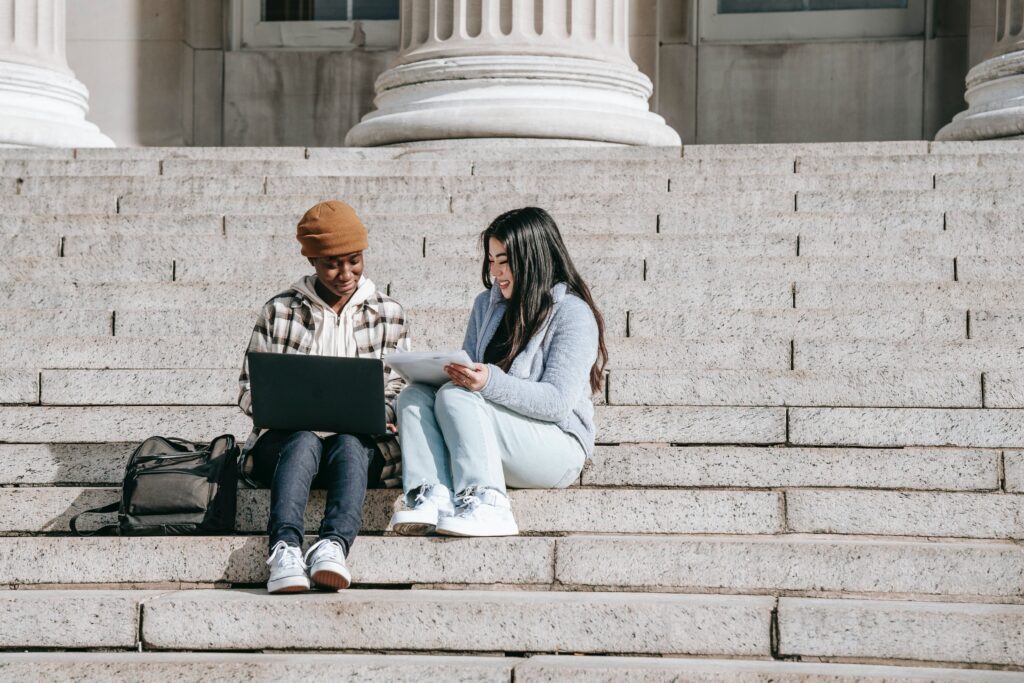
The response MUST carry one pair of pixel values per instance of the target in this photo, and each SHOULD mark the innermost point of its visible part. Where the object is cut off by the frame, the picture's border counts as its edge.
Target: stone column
(995, 87)
(42, 104)
(533, 69)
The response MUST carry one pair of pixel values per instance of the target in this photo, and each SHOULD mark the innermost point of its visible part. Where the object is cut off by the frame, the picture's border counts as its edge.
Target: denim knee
(450, 397)
(304, 442)
(415, 395)
(349, 445)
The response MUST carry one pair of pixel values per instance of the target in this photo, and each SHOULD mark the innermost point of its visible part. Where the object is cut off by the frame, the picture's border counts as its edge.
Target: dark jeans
(293, 462)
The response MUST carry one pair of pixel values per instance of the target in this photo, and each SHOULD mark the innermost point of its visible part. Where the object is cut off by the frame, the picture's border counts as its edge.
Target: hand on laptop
(473, 377)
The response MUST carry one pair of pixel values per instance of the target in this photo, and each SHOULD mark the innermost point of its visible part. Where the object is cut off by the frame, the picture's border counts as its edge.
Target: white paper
(426, 367)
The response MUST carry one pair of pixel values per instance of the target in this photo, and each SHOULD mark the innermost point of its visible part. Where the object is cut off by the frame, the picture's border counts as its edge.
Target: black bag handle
(110, 507)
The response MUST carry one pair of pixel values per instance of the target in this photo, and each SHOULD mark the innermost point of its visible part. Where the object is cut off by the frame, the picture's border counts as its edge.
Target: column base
(995, 97)
(41, 107)
(561, 99)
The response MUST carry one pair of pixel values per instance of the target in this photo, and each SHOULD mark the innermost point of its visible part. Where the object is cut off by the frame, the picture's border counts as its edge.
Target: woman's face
(501, 274)
(339, 274)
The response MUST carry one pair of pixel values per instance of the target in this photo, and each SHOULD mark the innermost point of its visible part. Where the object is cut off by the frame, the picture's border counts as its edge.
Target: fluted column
(995, 87)
(527, 69)
(42, 104)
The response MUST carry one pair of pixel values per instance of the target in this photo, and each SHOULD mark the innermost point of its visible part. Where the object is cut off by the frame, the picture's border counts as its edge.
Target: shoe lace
(422, 495)
(468, 501)
(326, 547)
(288, 555)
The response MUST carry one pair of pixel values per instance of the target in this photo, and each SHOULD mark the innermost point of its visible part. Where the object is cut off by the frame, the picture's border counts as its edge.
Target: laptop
(317, 393)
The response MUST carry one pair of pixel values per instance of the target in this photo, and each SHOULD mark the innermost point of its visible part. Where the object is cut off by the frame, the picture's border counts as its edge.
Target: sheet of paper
(426, 367)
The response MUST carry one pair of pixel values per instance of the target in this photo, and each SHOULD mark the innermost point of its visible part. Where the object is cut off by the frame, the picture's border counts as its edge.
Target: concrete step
(653, 179)
(999, 515)
(805, 182)
(960, 294)
(612, 296)
(158, 667)
(934, 163)
(79, 619)
(947, 243)
(926, 200)
(969, 354)
(585, 167)
(465, 226)
(863, 387)
(217, 186)
(615, 424)
(947, 469)
(221, 247)
(899, 513)
(317, 167)
(850, 324)
(669, 669)
(97, 353)
(997, 325)
(56, 205)
(983, 180)
(76, 273)
(1004, 389)
(488, 621)
(663, 266)
(24, 168)
(172, 666)
(696, 245)
(950, 469)
(29, 510)
(142, 204)
(118, 224)
(411, 204)
(881, 427)
(802, 149)
(478, 621)
(938, 632)
(211, 153)
(990, 268)
(808, 565)
(679, 221)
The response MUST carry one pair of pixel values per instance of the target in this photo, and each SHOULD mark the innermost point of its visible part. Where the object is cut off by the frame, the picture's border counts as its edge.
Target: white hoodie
(334, 333)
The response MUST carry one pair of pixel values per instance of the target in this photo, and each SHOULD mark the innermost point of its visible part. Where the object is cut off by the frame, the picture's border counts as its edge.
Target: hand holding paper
(426, 367)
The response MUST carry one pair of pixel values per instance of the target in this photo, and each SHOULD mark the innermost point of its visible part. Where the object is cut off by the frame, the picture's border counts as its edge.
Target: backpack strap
(111, 507)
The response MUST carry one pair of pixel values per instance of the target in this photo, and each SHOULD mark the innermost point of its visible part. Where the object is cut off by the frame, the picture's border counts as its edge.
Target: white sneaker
(433, 502)
(287, 570)
(480, 512)
(327, 566)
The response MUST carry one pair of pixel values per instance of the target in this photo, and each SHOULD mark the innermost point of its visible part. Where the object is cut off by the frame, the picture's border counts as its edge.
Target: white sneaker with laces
(287, 570)
(327, 567)
(480, 512)
(433, 502)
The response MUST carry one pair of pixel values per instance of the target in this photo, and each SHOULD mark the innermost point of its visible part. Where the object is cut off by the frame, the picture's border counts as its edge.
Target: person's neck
(330, 298)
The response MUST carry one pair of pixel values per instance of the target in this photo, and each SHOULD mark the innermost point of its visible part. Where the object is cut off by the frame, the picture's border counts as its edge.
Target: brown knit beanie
(331, 229)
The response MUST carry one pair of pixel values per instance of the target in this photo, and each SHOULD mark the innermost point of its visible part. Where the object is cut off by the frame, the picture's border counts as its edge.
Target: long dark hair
(539, 260)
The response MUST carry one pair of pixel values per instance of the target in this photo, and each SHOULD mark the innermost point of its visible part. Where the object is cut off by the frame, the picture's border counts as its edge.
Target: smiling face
(501, 273)
(339, 275)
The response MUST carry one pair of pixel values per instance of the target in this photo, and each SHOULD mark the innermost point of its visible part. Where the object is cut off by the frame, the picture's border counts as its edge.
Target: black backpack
(175, 487)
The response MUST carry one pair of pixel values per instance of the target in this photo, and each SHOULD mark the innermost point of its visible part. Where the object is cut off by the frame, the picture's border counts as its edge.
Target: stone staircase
(811, 457)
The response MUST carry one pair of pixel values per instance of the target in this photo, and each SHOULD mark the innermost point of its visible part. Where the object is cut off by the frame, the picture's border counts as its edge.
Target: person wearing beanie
(336, 311)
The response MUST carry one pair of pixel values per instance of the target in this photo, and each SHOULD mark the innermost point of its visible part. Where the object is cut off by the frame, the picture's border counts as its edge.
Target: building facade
(302, 72)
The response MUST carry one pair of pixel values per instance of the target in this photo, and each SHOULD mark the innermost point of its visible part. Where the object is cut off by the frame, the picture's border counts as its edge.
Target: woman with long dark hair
(522, 414)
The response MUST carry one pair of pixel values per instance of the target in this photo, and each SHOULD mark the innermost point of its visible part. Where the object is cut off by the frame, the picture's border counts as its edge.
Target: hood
(306, 287)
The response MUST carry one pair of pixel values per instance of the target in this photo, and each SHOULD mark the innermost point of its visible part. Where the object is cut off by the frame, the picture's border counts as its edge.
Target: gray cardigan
(550, 379)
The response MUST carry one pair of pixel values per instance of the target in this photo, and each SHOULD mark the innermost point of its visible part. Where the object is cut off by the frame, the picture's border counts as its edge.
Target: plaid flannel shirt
(285, 325)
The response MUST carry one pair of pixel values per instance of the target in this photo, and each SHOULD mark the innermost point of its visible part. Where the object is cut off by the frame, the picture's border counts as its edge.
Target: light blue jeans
(456, 437)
